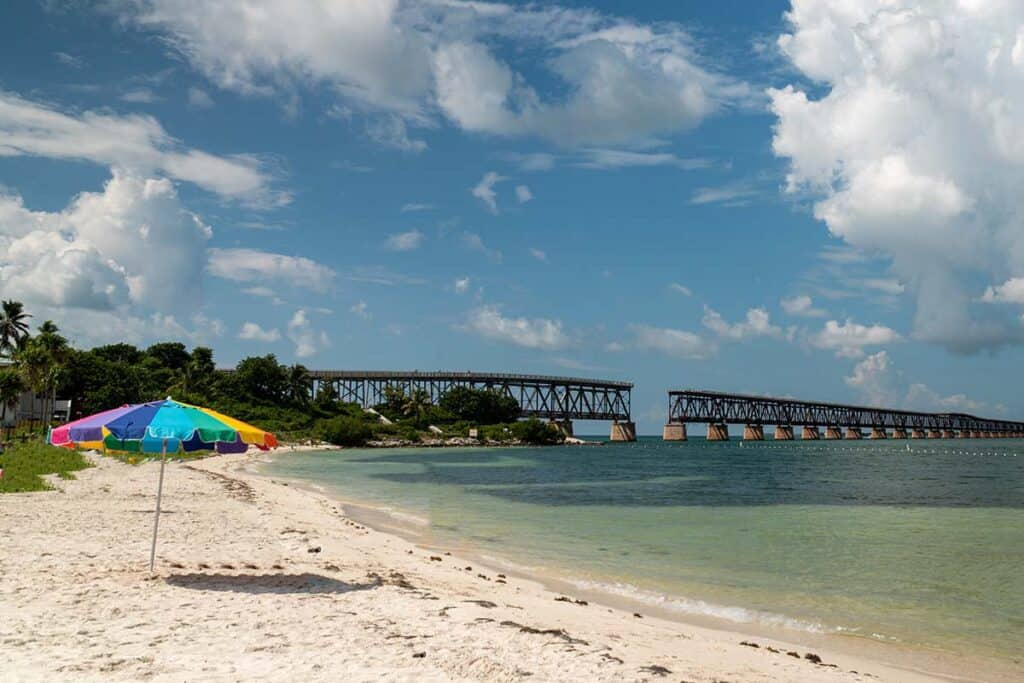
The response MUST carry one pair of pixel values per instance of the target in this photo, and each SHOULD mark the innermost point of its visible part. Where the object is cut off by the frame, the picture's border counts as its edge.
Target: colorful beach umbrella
(163, 427)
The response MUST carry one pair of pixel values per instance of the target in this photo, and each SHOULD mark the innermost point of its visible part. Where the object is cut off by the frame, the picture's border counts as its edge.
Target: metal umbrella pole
(159, 495)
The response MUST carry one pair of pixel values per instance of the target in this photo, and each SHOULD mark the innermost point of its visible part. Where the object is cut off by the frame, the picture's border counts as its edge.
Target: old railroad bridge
(558, 399)
(718, 410)
(564, 399)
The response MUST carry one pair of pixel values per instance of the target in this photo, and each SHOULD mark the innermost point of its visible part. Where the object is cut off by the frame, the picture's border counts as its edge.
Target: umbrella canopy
(158, 425)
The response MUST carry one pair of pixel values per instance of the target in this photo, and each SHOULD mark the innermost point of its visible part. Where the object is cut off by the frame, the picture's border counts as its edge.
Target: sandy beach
(260, 580)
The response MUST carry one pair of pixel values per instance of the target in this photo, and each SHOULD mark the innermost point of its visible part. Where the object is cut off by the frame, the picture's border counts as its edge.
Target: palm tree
(57, 350)
(298, 383)
(13, 326)
(417, 404)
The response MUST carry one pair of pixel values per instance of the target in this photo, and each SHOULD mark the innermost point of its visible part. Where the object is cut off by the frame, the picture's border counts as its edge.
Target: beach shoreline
(259, 579)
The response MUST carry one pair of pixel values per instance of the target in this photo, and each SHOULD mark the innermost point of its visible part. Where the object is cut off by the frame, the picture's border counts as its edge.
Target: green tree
(299, 384)
(326, 397)
(11, 387)
(13, 326)
(345, 431)
(262, 378)
(171, 355)
(482, 406)
(416, 405)
(394, 400)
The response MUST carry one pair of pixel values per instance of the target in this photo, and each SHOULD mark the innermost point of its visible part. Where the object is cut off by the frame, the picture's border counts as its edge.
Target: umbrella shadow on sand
(267, 583)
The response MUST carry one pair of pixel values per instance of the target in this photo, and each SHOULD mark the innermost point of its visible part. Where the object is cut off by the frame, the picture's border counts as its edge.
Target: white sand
(238, 597)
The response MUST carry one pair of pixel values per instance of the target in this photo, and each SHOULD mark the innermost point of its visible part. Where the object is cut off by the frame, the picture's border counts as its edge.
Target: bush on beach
(24, 462)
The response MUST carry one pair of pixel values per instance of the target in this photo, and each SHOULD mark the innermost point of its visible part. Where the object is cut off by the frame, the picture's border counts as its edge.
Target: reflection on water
(923, 546)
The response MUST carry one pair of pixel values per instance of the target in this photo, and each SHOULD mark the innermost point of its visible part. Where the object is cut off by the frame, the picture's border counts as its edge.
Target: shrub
(23, 463)
(536, 432)
(345, 431)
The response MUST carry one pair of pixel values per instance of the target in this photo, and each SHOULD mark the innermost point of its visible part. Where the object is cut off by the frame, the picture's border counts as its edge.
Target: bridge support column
(810, 433)
(963, 434)
(917, 434)
(948, 434)
(899, 433)
(753, 433)
(674, 431)
(934, 434)
(718, 432)
(783, 432)
(623, 431)
(879, 433)
(833, 433)
(975, 434)
(563, 426)
(853, 433)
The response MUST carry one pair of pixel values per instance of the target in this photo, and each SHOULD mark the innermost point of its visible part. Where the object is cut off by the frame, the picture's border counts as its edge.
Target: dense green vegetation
(23, 462)
(259, 390)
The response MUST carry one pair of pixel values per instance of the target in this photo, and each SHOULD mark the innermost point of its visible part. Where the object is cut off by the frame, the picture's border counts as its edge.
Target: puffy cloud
(405, 241)
(136, 143)
(253, 332)
(484, 190)
(307, 340)
(462, 285)
(626, 82)
(523, 194)
(132, 243)
(537, 333)
(254, 265)
(1011, 291)
(915, 148)
(879, 383)
(676, 343)
(539, 254)
(849, 339)
(872, 378)
(802, 305)
(757, 324)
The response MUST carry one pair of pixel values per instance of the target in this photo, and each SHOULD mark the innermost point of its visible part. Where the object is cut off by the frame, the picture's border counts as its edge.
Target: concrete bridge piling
(833, 433)
(718, 432)
(899, 433)
(753, 433)
(674, 431)
(809, 433)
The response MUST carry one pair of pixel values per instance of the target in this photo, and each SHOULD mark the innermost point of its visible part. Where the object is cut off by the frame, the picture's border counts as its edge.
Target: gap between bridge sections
(718, 410)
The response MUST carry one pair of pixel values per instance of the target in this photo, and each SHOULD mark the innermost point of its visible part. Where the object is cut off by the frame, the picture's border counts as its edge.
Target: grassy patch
(23, 463)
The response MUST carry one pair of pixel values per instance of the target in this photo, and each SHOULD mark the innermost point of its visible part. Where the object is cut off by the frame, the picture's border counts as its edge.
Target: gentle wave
(700, 607)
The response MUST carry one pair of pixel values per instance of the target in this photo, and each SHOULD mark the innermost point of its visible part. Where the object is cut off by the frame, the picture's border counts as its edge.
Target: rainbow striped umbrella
(161, 427)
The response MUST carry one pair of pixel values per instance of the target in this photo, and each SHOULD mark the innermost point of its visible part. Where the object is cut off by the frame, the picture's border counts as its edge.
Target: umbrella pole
(159, 495)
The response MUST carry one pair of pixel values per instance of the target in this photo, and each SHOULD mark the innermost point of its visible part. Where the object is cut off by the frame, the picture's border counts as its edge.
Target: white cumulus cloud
(671, 342)
(484, 190)
(254, 265)
(802, 305)
(912, 143)
(850, 339)
(307, 340)
(535, 333)
(757, 324)
(253, 332)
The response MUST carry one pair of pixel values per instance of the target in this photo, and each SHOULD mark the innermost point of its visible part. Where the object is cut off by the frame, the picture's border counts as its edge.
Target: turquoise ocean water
(865, 539)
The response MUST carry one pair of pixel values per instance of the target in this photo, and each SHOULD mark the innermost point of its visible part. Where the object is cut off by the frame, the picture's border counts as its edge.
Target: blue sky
(719, 195)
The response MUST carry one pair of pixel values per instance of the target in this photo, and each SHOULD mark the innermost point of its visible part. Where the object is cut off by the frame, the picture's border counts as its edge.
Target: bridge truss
(554, 398)
(713, 407)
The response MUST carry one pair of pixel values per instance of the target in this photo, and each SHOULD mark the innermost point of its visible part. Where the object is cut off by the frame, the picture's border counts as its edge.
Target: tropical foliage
(259, 389)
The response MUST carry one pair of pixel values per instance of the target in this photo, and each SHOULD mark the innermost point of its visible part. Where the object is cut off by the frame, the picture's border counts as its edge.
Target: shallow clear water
(923, 547)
